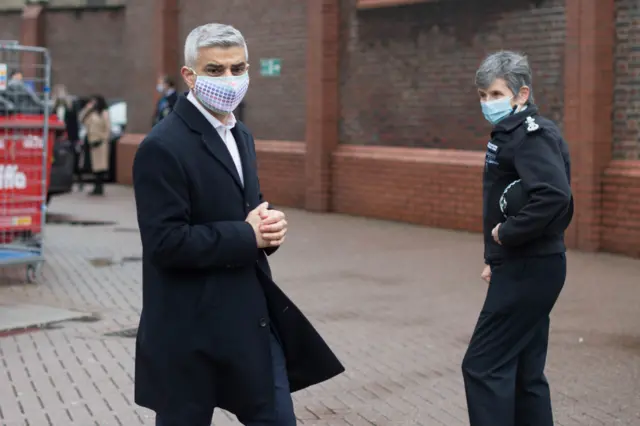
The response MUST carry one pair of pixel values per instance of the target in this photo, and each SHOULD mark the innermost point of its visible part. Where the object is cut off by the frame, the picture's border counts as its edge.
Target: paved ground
(396, 302)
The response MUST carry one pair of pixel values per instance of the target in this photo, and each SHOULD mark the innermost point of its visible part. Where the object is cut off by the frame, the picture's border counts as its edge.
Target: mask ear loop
(516, 107)
(194, 82)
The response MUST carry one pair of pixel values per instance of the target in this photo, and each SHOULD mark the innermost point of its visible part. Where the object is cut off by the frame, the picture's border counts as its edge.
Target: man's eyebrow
(215, 64)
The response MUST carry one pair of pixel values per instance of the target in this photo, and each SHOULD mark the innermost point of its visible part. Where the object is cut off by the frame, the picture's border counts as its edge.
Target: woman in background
(95, 118)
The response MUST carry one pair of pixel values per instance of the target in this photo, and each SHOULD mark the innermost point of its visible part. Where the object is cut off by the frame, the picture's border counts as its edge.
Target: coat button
(263, 322)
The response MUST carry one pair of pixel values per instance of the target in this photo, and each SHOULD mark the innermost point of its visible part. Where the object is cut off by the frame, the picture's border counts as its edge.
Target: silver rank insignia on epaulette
(532, 126)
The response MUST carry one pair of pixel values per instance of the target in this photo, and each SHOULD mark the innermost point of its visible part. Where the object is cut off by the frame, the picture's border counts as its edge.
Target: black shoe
(97, 190)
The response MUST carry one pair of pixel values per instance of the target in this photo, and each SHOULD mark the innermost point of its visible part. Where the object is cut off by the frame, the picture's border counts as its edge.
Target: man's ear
(189, 77)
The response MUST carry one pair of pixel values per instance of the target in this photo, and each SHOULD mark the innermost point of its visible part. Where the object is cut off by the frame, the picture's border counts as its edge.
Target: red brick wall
(275, 106)
(438, 188)
(407, 72)
(126, 152)
(621, 208)
(407, 80)
(141, 70)
(621, 185)
(87, 50)
(626, 124)
(85, 46)
(10, 25)
(281, 172)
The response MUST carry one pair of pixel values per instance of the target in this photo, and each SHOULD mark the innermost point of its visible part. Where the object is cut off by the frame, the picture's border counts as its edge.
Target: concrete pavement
(396, 302)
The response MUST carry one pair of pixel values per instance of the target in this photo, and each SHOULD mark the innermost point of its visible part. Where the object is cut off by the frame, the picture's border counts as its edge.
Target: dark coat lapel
(209, 136)
(248, 168)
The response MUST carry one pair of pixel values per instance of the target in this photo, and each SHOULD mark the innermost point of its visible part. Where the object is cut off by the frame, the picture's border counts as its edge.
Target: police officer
(503, 367)
(168, 98)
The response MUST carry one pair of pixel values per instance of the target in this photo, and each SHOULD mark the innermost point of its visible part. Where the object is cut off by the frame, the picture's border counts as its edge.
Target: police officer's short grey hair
(512, 67)
(212, 35)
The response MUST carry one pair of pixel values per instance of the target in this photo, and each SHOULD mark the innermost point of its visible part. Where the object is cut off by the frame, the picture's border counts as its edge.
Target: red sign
(23, 174)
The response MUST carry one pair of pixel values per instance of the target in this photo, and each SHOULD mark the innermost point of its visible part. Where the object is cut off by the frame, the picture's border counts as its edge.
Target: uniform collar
(509, 123)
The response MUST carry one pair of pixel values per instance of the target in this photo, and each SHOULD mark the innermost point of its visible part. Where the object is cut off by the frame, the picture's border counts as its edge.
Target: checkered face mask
(221, 94)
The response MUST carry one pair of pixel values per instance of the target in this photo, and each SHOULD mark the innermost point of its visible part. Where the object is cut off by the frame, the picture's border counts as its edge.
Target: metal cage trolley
(26, 141)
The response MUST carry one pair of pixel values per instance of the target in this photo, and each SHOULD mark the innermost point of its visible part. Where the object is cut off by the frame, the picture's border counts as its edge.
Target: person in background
(65, 108)
(95, 118)
(16, 77)
(167, 89)
(22, 95)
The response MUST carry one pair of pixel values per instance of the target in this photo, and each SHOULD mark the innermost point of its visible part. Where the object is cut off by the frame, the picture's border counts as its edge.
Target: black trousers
(283, 403)
(503, 368)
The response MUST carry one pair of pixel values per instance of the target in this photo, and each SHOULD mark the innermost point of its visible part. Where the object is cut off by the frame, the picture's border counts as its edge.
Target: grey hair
(212, 35)
(512, 67)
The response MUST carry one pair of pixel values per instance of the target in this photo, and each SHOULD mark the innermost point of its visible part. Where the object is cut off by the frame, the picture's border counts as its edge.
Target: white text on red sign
(11, 177)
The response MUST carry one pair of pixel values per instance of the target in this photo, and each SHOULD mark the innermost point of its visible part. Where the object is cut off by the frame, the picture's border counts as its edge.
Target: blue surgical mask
(160, 88)
(494, 111)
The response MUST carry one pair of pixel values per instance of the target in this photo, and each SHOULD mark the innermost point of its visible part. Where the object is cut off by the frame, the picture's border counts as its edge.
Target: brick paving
(396, 302)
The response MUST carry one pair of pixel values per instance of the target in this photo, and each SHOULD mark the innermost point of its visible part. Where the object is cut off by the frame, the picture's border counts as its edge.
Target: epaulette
(532, 126)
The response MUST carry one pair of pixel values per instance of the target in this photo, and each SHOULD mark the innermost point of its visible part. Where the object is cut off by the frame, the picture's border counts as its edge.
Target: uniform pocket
(511, 269)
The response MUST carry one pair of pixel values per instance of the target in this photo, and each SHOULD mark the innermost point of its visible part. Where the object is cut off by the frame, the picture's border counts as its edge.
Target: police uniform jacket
(165, 105)
(527, 147)
(209, 300)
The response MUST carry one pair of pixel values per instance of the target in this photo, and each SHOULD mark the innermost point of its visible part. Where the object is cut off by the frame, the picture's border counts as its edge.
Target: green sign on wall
(270, 67)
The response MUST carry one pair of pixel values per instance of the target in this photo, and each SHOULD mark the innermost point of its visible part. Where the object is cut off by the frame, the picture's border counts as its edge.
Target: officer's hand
(494, 234)
(486, 274)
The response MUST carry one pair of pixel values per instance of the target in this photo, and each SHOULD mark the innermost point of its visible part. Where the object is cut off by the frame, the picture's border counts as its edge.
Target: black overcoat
(208, 296)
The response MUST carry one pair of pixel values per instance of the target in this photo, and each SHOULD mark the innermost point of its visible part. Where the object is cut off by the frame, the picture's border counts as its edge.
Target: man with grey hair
(215, 330)
(527, 205)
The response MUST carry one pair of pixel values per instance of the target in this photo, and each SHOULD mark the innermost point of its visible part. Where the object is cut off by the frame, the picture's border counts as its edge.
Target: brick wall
(626, 125)
(86, 49)
(10, 30)
(10, 25)
(126, 152)
(275, 106)
(438, 188)
(281, 169)
(621, 208)
(407, 72)
(140, 56)
(621, 186)
(407, 80)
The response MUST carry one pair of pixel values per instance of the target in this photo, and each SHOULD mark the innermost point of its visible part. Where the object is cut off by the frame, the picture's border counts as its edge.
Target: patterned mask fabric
(221, 94)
